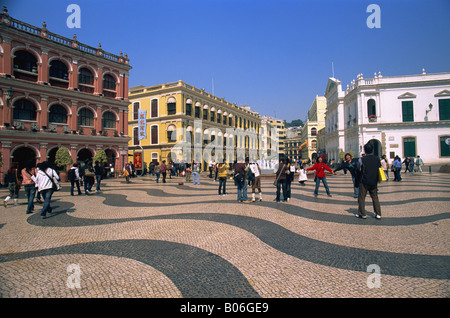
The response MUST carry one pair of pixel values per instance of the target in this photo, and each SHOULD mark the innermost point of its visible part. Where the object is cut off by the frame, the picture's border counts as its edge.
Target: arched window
(57, 114)
(85, 117)
(109, 82)
(59, 70)
(371, 108)
(314, 131)
(108, 120)
(24, 110)
(85, 76)
(25, 61)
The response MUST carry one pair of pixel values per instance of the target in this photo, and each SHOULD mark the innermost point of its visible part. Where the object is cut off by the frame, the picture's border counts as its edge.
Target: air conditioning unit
(18, 125)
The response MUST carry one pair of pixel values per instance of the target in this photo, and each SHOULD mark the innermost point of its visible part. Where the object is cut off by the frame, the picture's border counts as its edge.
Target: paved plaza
(151, 240)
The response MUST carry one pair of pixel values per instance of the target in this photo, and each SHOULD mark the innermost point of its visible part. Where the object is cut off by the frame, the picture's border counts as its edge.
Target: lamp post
(430, 107)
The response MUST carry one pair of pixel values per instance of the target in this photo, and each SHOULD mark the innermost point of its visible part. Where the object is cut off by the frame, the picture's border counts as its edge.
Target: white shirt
(42, 181)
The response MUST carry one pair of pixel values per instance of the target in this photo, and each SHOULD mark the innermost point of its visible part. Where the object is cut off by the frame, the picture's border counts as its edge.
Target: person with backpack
(29, 185)
(370, 165)
(74, 177)
(418, 163)
(240, 181)
(320, 168)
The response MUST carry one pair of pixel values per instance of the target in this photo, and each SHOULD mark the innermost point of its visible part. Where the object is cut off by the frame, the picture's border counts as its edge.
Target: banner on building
(142, 124)
(137, 160)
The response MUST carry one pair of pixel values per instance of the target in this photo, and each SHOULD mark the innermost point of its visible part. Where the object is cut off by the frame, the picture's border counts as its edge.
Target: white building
(402, 115)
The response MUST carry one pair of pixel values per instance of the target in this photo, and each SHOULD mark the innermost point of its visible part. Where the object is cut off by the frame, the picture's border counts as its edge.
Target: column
(73, 75)
(6, 151)
(74, 118)
(98, 120)
(42, 116)
(43, 151)
(6, 67)
(43, 76)
(98, 88)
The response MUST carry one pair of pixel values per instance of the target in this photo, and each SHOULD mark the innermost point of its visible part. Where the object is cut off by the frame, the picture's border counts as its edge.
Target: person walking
(28, 184)
(222, 172)
(157, 170)
(418, 163)
(98, 175)
(370, 165)
(13, 181)
(45, 179)
(126, 172)
(385, 166)
(281, 176)
(407, 162)
(241, 182)
(256, 182)
(163, 171)
(88, 174)
(196, 172)
(320, 168)
(352, 165)
(74, 178)
(188, 172)
(397, 168)
(289, 178)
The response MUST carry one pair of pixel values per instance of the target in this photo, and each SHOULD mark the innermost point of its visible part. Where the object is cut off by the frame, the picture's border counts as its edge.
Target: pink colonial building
(57, 92)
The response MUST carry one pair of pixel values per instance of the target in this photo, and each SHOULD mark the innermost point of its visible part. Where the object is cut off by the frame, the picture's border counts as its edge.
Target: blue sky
(273, 55)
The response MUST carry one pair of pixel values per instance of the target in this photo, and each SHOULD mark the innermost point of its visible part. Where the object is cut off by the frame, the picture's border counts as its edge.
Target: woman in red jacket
(320, 168)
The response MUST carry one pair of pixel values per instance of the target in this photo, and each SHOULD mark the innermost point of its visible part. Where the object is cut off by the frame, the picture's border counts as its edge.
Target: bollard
(429, 169)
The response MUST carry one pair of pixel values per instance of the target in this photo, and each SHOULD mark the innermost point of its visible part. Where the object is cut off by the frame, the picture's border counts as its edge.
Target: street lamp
(430, 107)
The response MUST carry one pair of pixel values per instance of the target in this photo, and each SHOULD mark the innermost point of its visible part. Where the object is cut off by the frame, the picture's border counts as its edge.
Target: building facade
(57, 92)
(310, 133)
(401, 115)
(177, 114)
(281, 132)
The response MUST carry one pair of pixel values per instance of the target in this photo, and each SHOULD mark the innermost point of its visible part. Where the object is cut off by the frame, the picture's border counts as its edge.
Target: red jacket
(320, 169)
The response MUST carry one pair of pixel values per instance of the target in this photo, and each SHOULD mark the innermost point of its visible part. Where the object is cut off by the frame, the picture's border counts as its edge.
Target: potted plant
(62, 160)
(101, 156)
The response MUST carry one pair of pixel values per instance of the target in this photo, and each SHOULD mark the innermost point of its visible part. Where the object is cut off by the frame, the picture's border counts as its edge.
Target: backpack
(71, 174)
(250, 175)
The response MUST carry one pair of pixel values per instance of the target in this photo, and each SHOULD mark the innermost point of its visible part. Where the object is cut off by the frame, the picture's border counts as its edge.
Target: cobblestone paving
(173, 241)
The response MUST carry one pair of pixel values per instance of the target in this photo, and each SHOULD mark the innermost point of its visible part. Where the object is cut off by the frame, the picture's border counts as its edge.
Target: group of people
(41, 181)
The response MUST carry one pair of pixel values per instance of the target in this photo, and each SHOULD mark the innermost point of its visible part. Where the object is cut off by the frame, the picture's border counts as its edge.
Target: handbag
(303, 176)
(381, 175)
(56, 186)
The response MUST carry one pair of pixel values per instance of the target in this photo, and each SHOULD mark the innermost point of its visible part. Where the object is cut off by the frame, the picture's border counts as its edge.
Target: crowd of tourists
(41, 181)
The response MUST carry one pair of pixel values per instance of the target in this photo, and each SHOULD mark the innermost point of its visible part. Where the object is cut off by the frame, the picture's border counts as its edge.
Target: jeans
(88, 183)
(324, 181)
(72, 186)
(223, 183)
(242, 191)
(157, 176)
(30, 192)
(194, 176)
(355, 188)
(98, 178)
(47, 195)
(164, 174)
(281, 185)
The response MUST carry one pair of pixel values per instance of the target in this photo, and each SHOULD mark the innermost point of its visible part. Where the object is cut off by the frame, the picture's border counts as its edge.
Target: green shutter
(445, 149)
(408, 111)
(409, 147)
(444, 109)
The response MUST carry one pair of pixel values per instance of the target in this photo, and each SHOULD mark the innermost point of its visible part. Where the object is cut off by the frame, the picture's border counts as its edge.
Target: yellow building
(316, 122)
(176, 112)
(280, 128)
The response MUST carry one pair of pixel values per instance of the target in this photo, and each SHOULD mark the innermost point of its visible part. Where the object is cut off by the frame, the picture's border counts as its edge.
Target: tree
(63, 158)
(101, 157)
(294, 123)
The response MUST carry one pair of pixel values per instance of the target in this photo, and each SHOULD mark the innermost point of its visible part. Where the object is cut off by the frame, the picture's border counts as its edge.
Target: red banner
(138, 160)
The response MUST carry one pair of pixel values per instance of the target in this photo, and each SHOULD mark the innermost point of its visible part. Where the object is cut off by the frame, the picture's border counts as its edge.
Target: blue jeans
(47, 196)
(72, 186)
(324, 181)
(242, 191)
(157, 176)
(98, 178)
(195, 175)
(30, 192)
(222, 185)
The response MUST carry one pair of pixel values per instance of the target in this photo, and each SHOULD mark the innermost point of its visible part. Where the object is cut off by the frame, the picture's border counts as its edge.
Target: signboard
(142, 124)
(137, 160)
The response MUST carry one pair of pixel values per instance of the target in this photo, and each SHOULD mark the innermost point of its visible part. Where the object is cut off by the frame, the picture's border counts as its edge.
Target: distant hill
(294, 123)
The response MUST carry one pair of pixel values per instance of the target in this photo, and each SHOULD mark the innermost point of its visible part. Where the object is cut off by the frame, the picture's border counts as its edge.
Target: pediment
(443, 93)
(407, 95)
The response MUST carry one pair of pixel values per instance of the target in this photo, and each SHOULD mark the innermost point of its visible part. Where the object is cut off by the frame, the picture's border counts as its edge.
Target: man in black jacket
(369, 181)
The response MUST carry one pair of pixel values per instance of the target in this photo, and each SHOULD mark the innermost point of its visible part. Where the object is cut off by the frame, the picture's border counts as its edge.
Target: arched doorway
(84, 155)
(22, 155)
(111, 155)
(376, 147)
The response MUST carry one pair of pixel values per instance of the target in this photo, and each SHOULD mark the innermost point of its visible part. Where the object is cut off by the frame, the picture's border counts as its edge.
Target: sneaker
(330, 195)
(378, 216)
(360, 217)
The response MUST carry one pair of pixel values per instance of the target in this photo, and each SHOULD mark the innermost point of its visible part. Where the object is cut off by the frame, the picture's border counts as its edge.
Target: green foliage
(294, 123)
(100, 156)
(63, 158)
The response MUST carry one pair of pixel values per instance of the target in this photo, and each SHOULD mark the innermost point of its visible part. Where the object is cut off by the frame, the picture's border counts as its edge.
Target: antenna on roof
(332, 68)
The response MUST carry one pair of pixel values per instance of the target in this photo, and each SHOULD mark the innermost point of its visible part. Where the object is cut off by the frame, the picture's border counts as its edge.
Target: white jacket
(42, 181)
